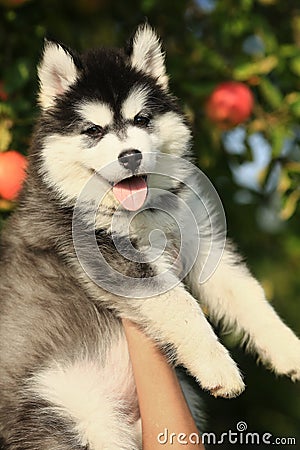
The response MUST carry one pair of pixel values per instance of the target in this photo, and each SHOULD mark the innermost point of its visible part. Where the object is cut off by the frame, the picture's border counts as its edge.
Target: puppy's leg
(78, 405)
(33, 424)
(100, 399)
(232, 295)
(174, 318)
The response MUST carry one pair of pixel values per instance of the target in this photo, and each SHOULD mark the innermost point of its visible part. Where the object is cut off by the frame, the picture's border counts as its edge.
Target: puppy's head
(108, 114)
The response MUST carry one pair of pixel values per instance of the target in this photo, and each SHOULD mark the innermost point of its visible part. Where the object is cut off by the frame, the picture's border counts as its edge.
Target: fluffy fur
(65, 374)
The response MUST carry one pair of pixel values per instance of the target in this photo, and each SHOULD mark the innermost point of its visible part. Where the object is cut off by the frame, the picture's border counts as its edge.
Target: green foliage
(253, 41)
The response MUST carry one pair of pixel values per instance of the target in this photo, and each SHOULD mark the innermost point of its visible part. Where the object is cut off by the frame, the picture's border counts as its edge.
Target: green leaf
(284, 183)
(293, 102)
(278, 136)
(271, 93)
(288, 51)
(295, 108)
(290, 205)
(6, 110)
(295, 65)
(5, 136)
(261, 67)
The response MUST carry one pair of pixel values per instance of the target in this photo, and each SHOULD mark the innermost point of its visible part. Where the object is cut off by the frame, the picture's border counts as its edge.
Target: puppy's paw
(288, 364)
(282, 355)
(219, 374)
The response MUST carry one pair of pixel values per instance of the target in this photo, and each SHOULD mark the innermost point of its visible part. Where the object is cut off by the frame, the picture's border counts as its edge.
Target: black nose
(130, 159)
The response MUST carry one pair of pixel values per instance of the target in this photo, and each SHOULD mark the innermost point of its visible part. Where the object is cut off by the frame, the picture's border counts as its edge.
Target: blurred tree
(254, 166)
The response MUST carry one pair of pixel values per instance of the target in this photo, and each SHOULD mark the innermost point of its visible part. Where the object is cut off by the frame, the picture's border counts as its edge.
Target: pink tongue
(131, 193)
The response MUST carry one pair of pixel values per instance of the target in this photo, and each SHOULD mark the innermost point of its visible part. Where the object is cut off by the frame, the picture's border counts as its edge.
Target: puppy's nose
(130, 159)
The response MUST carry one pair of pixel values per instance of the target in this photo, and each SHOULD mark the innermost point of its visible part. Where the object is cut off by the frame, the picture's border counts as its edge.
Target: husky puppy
(65, 375)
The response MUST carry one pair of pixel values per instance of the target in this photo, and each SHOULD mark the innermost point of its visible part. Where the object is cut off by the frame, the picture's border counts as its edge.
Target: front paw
(283, 355)
(219, 374)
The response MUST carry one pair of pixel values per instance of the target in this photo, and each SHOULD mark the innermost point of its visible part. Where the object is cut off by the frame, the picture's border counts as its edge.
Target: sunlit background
(252, 157)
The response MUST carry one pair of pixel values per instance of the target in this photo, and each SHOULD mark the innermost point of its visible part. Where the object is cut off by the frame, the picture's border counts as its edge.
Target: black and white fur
(65, 374)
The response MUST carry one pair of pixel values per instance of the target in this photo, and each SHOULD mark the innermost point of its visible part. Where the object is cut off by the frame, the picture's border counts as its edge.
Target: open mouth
(131, 192)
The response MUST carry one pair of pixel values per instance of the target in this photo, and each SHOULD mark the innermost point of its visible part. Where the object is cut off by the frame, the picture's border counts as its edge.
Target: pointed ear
(147, 56)
(57, 71)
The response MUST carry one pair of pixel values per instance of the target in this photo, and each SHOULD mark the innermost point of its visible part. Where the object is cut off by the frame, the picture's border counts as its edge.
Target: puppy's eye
(93, 131)
(141, 121)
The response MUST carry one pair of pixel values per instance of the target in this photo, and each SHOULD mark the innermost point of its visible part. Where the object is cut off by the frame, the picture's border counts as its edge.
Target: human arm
(161, 400)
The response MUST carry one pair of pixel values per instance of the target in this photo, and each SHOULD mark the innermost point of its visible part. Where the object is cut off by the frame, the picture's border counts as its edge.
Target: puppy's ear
(146, 54)
(57, 71)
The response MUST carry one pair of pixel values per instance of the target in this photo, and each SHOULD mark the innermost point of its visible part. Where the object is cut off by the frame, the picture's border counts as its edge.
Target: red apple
(229, 104)
(12, 174)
